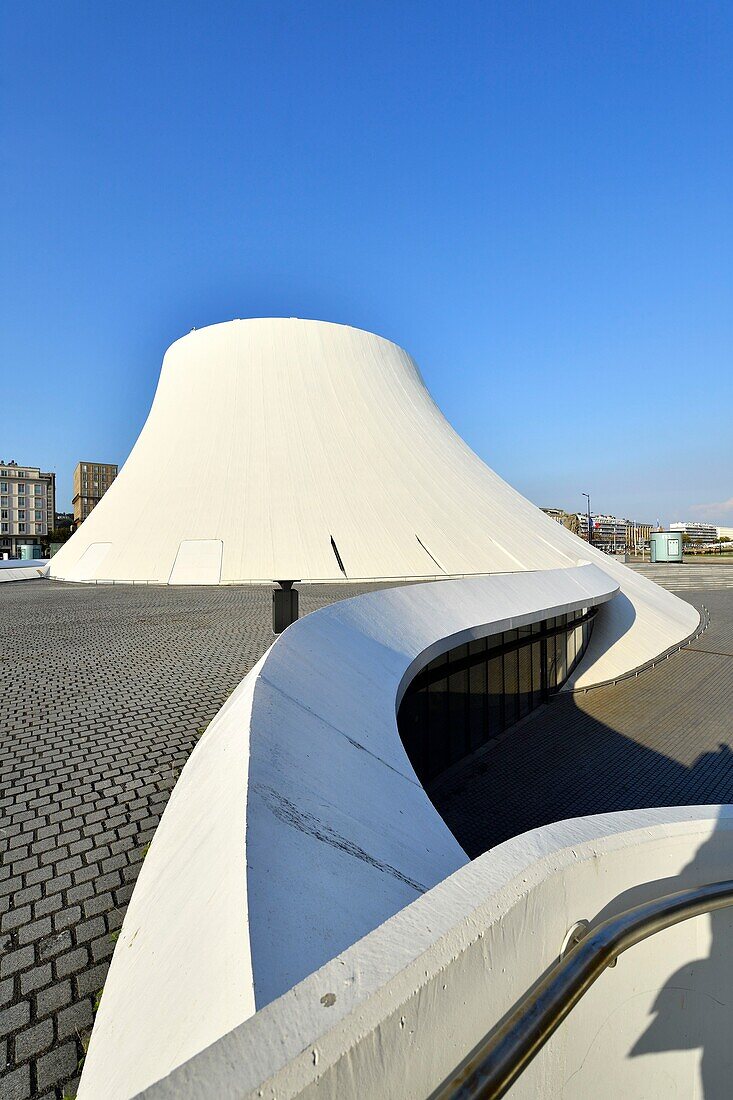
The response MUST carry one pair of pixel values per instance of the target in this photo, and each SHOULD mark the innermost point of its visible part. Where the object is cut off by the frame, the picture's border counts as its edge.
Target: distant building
(64, 519)
(609, 533)
(637, 534)
(697, 532)
(27, 507)
(725, 533)
(91, 482)
(614, 533)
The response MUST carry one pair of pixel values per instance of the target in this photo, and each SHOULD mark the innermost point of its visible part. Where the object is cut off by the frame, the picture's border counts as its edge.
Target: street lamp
(590, 526)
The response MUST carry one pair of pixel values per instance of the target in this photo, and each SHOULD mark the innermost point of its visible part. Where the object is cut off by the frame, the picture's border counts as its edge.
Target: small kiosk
(666, 546)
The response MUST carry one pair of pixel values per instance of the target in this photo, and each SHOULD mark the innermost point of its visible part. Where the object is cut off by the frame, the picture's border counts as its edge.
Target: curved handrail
(494, 1066)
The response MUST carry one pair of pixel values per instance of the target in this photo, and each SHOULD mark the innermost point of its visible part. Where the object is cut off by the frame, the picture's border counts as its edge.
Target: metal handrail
(495, 1064)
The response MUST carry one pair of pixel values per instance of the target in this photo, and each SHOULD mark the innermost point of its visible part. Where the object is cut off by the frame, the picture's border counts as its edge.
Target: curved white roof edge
(306, 762)
(398, 1011)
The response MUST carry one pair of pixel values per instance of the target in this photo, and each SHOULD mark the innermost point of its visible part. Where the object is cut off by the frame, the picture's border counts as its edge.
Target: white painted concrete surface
(340, 835)
(274, 437)
(396, 1012)
(21, 569)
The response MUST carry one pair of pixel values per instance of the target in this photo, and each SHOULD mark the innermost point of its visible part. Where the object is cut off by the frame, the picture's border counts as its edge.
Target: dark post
(590, 526)
(284, 606)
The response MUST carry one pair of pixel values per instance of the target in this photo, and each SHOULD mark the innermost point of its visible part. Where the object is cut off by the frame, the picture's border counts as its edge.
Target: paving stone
(35, 978)
(72, 963)
(33, 1041)
(15, 1017)
(14, 961)
(16, 1085)
(91, 981)
(53, 998)
(56, 1067)
(75, 1019)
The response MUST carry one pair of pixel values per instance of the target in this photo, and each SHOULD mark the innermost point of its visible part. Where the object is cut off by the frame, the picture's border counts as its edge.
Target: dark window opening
(335, 549)
(440, 567)
(471, 694)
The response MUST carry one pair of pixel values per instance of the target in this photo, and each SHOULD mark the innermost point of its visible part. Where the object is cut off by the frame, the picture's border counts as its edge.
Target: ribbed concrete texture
(282, 449)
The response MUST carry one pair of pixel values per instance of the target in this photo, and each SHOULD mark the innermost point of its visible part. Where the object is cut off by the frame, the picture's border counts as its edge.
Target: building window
(36, 488)
(39, 517)
(3, 527)
(470, 695)
(21, 487)
(21, 528)
(4, 514)
(21, 515)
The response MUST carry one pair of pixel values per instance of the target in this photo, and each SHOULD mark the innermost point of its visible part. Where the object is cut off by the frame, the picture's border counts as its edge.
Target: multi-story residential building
(91, 482)
(27, 507)
(609, 533)
(696, 532)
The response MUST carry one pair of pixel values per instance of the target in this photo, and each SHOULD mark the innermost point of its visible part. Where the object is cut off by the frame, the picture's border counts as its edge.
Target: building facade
(609, 533)
(27, 507)
(696, 532)
(637, 535)
(91, 482)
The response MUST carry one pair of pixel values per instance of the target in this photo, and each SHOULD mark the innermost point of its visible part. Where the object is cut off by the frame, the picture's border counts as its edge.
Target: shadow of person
(694, 1008)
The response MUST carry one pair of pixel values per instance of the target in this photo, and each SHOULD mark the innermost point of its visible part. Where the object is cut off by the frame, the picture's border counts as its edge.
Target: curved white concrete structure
(281, 449)
(298, 825)
(396, 1013)
(16, 569)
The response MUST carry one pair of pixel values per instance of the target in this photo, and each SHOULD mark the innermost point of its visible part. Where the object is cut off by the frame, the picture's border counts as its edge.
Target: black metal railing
(492, 1068)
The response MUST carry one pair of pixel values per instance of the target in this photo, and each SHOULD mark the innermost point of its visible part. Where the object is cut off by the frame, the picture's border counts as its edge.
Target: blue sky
(535, 199)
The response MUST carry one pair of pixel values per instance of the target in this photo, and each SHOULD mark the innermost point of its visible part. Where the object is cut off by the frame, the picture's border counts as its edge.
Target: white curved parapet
(22, 569)
(298, 824)
(395, 1014)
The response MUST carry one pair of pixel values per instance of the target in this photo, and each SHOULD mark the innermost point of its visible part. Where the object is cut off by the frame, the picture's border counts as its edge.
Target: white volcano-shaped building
(286, 449)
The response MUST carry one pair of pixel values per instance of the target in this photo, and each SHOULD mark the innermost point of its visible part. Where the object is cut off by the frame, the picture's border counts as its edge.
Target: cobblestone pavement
(664, 739)
(105, 690)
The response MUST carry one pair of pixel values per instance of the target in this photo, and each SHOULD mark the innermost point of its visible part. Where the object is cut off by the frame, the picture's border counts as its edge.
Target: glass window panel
(458, 706)
(536, 674)
(571, 649)
(496, 696)
(561, 658)
(551, 664)
(477, 694)
(511, 687)
(525, 680)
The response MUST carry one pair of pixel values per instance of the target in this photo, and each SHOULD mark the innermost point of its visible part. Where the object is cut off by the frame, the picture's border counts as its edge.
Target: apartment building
(91, 482)
(27, 507)
(615, 534)
(697, 532)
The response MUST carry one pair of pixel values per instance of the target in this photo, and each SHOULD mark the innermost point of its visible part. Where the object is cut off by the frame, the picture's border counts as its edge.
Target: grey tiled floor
(105, 690)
